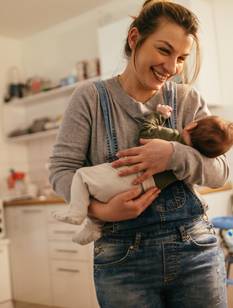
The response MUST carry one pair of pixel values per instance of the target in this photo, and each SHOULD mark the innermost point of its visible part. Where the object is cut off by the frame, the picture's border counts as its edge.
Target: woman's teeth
(159, 76)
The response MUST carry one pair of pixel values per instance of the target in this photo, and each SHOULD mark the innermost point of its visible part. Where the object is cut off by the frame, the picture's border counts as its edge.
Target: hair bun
(153, 2)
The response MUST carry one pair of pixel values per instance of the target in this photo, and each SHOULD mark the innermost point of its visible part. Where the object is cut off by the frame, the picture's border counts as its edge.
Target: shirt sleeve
(152, 127)
(186, 162)
(71, 146)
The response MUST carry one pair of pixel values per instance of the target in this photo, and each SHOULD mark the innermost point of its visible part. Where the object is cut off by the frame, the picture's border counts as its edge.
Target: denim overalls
(168, 256)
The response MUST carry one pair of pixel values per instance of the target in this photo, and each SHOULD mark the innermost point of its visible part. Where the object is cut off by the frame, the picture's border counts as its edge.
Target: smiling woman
(154, 246)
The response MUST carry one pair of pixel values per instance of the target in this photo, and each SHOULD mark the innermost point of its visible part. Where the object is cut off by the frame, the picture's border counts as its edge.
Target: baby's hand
(164, 110)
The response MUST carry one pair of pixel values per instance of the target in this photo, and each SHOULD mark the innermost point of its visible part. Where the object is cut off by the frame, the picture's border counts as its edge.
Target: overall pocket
(108, 253)
(171, 198)
(203, 235)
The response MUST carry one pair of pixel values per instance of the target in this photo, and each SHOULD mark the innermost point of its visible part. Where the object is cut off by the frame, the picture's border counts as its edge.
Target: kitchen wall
(223, 12)
(54, 52)
(10, 155)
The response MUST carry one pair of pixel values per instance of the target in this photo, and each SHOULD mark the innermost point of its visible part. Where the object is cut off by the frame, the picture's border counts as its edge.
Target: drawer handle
(31, 211)
(69, 270)
(63, 232)
(67, 250)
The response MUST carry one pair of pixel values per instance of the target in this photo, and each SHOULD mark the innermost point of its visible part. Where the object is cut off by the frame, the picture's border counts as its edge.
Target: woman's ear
(133, 37)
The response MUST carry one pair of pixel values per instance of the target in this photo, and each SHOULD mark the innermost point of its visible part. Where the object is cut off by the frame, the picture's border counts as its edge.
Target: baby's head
(212, 136)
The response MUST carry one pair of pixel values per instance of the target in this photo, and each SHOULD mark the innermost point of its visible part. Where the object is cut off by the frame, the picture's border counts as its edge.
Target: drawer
(69, 251)
(62, 231)
(54, 208)
(71, 283)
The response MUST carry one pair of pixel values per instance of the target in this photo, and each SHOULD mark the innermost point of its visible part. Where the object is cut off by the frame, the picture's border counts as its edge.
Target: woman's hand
(152, 157)
(123, 206)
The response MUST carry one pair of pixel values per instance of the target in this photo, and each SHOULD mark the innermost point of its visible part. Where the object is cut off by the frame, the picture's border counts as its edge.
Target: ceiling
(21, 18)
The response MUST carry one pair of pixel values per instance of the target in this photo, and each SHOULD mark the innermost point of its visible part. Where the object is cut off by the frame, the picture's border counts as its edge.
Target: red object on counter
(13, 177)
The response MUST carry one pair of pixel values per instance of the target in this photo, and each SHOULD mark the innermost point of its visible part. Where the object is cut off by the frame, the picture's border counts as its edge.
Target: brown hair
(150, 18)
(212, 136)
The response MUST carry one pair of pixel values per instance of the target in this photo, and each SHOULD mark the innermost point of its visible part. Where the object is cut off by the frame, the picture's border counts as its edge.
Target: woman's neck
(134, 88)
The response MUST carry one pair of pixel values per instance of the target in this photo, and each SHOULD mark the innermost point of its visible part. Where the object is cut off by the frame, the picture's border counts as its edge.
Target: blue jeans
(177, 265)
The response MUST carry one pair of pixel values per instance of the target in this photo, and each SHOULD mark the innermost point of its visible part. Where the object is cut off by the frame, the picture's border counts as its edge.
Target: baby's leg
(91, 232)
(77, 210)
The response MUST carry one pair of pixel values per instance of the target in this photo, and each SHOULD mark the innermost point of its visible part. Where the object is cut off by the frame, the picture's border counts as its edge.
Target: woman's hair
(212, 136)
(153, 13)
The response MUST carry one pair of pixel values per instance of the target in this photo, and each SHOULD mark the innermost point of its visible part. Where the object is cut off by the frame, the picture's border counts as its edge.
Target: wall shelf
(31, 137)
(45, 96)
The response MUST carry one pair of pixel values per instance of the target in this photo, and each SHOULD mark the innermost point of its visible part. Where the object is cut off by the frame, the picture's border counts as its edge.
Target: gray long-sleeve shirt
(82, 135)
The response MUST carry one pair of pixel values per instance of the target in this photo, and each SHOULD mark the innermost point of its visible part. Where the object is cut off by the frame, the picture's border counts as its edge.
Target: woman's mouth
(159, 76)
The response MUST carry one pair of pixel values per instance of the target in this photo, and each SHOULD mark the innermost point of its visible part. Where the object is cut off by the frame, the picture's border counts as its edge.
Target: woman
(157, 249)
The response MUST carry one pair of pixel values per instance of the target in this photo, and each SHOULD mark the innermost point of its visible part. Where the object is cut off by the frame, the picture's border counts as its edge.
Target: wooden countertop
(206, 190)
(57, 200)
(35, 201)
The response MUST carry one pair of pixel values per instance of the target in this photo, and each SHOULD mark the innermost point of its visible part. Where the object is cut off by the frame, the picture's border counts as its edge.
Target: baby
(212, 136)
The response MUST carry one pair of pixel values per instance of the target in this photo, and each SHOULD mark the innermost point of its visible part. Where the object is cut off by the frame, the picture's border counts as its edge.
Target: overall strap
(104, 99)
(169, 94)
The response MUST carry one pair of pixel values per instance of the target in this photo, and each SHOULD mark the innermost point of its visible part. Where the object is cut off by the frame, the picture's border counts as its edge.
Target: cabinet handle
(63, 232)
(31, 211)
(67, 250)
(69, 270)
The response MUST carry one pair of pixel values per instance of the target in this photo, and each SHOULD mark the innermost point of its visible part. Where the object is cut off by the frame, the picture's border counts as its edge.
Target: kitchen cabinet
(47, 267)
(71, 266)
(20, 113)
(5, 281)
(27, 230)
(111, 40)
(208, 82)
(112, 36)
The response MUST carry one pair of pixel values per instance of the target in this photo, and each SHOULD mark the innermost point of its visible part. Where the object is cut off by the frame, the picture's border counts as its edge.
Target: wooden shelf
(44, 96)
(30, 137)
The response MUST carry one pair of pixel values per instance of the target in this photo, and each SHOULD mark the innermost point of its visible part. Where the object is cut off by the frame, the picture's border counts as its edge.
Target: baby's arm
(152, 128)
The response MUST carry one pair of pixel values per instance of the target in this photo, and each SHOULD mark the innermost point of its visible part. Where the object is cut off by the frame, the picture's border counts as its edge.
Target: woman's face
(161, 56)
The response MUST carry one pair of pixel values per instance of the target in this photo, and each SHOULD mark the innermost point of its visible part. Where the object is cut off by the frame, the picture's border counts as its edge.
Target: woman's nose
(171, 66)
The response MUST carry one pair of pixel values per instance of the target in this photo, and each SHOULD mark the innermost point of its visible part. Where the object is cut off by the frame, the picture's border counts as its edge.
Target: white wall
(11, 156)
(223, 12)
(54, 52)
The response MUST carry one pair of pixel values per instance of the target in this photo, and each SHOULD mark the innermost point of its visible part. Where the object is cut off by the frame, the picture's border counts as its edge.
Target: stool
(224, 223)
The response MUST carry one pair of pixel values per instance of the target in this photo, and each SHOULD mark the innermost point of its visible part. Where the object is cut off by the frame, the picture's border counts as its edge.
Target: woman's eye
(181, 60)
(164, 50)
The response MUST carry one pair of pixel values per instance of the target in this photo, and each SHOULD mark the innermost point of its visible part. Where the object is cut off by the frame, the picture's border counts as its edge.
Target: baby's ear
(191, 125)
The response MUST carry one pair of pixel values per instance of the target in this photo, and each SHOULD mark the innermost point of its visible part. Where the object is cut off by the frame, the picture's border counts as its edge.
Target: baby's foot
(86, 236)
(70, 217)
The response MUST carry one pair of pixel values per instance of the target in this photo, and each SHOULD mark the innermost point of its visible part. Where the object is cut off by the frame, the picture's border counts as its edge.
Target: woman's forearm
(189, 165)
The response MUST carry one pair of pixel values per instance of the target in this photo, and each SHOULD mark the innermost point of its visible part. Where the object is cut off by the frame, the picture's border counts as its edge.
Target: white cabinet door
(111, 40)
(5, 284)
(71, 284)
(27, 229)
(208, 82)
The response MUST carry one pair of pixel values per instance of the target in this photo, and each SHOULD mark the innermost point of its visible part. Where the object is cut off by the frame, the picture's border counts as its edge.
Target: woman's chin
(156, 86)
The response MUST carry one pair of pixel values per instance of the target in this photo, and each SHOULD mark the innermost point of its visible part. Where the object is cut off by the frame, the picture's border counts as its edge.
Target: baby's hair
(213, 136)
